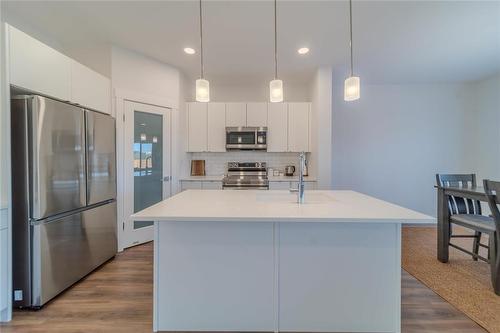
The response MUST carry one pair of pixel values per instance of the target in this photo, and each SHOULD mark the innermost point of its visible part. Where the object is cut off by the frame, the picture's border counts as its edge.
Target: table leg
(443, 221)
(495, 262)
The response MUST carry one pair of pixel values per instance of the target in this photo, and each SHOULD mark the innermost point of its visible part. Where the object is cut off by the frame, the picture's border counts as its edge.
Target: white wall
(321, 127)
(484, 151)
(392, 141)
(5, 225)
(141, 79)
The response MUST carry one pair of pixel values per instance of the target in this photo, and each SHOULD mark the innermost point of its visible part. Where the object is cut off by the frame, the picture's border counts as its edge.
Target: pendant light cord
(275, 43)
(201, 45)
(350, 32)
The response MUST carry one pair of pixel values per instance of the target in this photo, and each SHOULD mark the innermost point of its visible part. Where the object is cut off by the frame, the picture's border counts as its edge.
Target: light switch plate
(18, 295)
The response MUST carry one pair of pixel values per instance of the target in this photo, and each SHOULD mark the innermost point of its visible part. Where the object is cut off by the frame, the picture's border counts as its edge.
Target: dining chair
(492, 190)
(465, 212)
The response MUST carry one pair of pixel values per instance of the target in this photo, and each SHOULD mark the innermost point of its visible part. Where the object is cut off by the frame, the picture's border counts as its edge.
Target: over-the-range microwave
(246, 138)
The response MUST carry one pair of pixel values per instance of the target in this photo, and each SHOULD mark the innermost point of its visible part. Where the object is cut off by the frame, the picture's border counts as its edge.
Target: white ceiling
(394, 41)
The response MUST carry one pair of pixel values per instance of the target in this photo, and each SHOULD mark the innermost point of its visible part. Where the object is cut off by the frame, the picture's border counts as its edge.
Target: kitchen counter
(258, 261)
(272, 206)
(213, 178)
(290, 178)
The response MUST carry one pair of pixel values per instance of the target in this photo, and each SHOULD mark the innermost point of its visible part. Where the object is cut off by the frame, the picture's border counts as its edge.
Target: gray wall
(392, 141)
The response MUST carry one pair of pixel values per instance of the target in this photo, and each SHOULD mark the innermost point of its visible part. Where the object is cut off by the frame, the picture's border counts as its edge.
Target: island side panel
(214, 276)
(339, 277)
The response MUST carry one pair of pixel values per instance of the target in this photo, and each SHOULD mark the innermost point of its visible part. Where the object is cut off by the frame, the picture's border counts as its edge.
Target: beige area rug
(462, 282)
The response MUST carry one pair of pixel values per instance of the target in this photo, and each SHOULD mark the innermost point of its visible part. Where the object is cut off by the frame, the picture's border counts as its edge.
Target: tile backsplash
(216, 163)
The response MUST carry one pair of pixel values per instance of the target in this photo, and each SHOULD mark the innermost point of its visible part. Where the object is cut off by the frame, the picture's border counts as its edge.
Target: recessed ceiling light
(189, 50)
(303, 50)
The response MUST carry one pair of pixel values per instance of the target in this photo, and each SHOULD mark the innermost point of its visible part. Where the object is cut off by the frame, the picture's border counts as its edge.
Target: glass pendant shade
(276, 91)
(351, 88)
(202, 90)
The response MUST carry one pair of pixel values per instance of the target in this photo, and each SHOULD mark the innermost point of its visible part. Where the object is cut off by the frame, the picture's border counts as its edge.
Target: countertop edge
(284, 220)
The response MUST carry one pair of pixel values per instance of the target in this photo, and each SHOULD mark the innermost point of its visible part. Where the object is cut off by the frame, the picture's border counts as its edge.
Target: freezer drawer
(101, 157)
(57, 154)
(67, 249)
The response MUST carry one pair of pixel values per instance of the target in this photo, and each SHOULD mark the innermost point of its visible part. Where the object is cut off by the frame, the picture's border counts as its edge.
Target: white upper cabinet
(236, 114)
(277, 129)
(89, 88)
(37, 67)
(216, 127)
(197, 127)
(257, 114)
(298, 127)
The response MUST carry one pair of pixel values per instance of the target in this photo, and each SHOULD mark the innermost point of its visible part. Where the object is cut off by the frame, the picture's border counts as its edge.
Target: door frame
(144, 234)
(120, 96)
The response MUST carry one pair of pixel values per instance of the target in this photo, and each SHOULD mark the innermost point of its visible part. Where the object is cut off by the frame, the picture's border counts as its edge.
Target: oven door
(240, 139)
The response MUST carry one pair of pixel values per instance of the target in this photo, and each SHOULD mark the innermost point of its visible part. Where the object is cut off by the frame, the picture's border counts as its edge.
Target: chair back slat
(492, 190)
(459, 205)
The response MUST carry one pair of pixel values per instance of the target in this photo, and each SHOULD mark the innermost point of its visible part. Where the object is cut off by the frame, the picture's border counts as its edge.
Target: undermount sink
(311, 197)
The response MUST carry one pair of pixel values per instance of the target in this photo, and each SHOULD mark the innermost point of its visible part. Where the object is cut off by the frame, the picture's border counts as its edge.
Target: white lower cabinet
(190, 185)
(288, 185)
(307, 186)
(213, 185)
(279, 185)
(201, 185)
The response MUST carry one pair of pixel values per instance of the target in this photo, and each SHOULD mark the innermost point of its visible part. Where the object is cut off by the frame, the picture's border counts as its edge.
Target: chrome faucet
(300, 188)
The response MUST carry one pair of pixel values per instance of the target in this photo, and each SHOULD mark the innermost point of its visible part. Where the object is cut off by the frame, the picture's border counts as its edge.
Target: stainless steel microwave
(246, 138)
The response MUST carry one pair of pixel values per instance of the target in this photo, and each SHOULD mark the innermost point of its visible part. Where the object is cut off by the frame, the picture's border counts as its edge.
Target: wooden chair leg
(495, 262)
(475, 247)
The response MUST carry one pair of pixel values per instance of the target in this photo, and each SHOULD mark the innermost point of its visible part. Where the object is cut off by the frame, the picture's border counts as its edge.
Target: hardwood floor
(118, 297)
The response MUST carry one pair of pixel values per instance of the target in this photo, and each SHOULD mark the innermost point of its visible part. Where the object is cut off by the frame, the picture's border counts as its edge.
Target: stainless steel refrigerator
(63, 196)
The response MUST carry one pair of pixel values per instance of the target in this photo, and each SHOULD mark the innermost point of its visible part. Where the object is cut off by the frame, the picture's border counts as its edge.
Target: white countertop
(203, 178)
(290, 178)
(272, 206)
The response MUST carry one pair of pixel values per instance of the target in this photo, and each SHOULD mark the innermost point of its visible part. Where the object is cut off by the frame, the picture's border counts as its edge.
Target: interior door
(147, 165)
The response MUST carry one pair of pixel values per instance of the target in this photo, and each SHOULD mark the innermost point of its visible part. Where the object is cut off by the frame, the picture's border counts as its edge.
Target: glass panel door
(146, 166)
(148, 162)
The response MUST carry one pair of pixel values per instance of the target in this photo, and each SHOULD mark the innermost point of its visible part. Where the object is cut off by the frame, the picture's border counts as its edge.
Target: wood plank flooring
(118, 297)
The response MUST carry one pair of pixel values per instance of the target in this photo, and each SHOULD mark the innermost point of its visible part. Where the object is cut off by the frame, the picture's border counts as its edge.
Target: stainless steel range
(246, 176)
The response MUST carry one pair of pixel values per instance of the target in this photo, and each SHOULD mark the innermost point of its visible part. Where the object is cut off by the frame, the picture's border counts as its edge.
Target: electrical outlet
(18, 295)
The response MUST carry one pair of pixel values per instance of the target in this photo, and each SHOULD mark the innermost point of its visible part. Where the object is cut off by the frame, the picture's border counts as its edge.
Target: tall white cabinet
(216, 127)
(298, 127)
(90, 88)
(288, 124)
(257, 114)
(277, 135)
(236, 114)
(37, 67)
(198, 127)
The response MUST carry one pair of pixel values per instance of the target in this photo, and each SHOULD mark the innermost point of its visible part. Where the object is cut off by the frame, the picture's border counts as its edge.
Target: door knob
(166, 179)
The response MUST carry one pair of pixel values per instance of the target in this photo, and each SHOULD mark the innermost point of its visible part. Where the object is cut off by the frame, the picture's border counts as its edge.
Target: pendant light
(202, 85)
(276, 85)
(352, 83)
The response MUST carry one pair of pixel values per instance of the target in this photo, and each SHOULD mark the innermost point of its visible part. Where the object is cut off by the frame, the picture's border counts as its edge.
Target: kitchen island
(258, 261)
